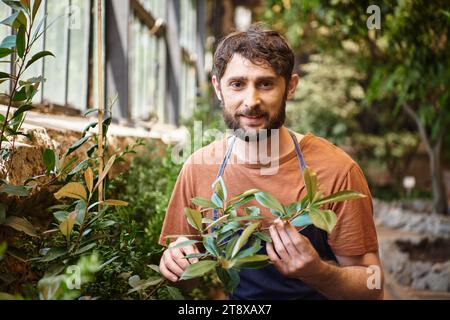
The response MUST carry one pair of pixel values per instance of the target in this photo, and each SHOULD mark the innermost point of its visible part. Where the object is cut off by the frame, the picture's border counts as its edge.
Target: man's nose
(252, 98)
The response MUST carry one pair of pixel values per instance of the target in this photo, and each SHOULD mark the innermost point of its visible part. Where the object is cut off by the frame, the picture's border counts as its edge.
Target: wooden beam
(156, 26)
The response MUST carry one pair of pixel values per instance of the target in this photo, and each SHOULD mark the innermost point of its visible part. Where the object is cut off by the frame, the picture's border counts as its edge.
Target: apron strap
(301, 160)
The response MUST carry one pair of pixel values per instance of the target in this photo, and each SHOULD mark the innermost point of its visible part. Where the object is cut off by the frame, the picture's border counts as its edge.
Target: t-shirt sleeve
(354, 233)
(175, 222)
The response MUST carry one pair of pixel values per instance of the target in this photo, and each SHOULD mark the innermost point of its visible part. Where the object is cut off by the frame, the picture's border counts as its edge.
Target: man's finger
(191, 250)
(171, 265)
(297, 239)
(285, 238)
(278, 244)
(165, 272)
(271, 252)
(178, 258)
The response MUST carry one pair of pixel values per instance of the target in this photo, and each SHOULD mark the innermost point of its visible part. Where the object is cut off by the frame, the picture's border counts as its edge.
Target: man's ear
(216, 84)
(292, 85)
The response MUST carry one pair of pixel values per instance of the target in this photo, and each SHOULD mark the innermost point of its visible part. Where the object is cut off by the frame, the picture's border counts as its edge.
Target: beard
(270, 123)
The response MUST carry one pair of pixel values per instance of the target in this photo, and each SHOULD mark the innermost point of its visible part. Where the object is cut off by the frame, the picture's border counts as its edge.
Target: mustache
(252, 113)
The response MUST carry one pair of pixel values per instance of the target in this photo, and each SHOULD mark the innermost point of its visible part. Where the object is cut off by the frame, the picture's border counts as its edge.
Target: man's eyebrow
(265, 78)
(237, 79)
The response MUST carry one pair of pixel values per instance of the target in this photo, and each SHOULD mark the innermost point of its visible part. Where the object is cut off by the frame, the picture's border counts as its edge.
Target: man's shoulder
(327, 157)
(211, 154)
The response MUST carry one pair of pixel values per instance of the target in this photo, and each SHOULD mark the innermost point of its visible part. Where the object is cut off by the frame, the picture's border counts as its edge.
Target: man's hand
(292, 253)
(173, 263)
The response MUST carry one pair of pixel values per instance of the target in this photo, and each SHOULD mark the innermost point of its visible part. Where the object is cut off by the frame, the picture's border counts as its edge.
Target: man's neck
(274, 147)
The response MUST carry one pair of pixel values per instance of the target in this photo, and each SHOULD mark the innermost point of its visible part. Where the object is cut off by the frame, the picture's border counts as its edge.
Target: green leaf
(230, 245)
(220, 189)
(4, 75)
(232, 225)
(80, 211)
(323, 219)
(216, 200)
(253, 249)
(229, 277)
(10, 189)
(217, 222)
(269, 201)
(21, 95)
(302, 220)
(38, 56)
(248, 218)
(20, 21)
(114, 202)
(66, 226)
(22, 109)
(195, 255)
(243, 195)
(49, 159)
(72, 190)
(53, 254)
(244, 238)
(254, 262)
(198, 269)
(5, 52)
(252, 211)
(205, 203)
(263, 236)
(291, 208)
(83, 164)
(8, 42)
(341, 196)
(174, 293)
(60, 215)
(105, 170)
(89, 111)
(76, 145)
(86, 248)
(20, 224)
(36, 5)
(310, 178)
(89, 126)
(210, 244)
(185, 244)
(20, 41)
(89, 179)
(194, 218)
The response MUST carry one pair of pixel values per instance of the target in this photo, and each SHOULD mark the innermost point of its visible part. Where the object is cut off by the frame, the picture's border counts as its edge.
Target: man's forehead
(239, 66)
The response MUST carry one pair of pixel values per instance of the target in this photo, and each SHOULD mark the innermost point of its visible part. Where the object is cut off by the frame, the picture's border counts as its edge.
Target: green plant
(18, 46)
(232, 242)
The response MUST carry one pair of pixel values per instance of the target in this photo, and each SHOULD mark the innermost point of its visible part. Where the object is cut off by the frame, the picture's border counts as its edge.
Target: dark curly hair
(260, 46)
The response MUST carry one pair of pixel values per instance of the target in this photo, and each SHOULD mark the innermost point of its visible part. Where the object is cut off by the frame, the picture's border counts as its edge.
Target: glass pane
(54, 68)
(79, 35)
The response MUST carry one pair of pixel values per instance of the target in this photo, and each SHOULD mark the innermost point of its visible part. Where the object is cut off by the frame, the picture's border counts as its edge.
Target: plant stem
(14, 90)
(100, 99)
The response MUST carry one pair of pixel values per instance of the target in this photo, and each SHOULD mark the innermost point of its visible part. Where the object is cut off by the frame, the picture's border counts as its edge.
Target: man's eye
(236, 84)
(266, 84)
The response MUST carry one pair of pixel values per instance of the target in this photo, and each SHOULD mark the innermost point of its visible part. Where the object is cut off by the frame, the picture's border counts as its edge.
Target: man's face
(253, 97)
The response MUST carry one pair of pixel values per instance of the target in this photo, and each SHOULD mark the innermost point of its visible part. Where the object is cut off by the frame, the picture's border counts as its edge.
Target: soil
(435, 251)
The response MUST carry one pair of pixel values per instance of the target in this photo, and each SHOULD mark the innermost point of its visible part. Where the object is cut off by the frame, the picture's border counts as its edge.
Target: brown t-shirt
(354, 233)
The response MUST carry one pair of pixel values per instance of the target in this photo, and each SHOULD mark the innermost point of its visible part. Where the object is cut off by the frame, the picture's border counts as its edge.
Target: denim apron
(268, 283)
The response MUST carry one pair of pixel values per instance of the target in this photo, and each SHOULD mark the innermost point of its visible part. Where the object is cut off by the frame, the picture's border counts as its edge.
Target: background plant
(18, 47)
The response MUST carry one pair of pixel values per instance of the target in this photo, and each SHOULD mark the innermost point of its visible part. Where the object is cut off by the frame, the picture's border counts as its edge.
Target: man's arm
(356, 277)
(295, 257)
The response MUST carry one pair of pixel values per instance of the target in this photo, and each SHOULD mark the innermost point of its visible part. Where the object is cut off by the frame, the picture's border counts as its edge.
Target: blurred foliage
(403, 71)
